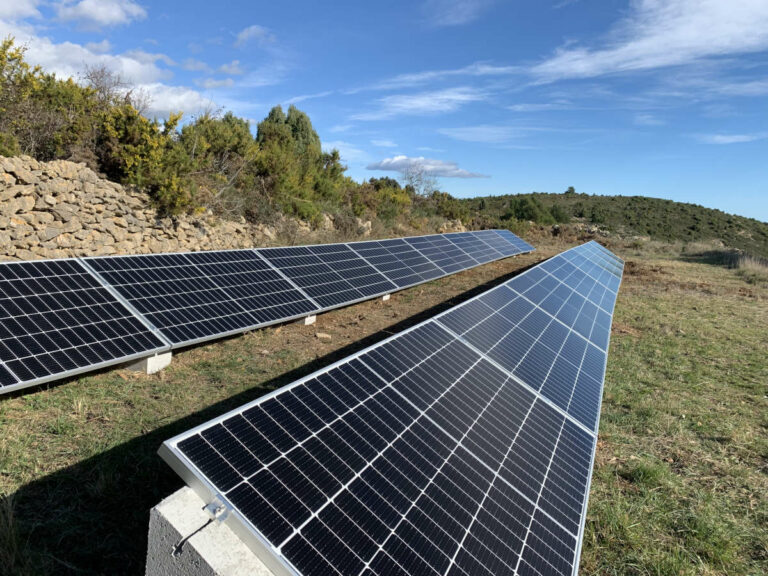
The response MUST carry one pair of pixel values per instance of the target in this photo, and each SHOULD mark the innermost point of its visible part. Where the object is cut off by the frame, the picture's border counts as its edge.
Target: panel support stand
(308, 320)
(385, 297)
(184, 541)
(152, 364)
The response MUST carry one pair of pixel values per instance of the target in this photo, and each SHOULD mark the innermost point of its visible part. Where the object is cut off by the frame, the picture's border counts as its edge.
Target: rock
(50, 200)
(23, 175)
(327, 223)
(19, 205)
(49, 233)
(64, 211)
(7, 179)
(322, 336)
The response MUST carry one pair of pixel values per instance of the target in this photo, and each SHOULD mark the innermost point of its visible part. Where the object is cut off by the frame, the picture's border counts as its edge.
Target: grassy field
(682, 464)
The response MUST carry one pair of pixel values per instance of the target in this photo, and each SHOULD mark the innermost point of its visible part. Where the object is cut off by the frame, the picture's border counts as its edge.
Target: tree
(570, 192)
(419, 179)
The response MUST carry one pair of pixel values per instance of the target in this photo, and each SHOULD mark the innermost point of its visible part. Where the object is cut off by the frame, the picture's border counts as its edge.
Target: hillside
(659, 219)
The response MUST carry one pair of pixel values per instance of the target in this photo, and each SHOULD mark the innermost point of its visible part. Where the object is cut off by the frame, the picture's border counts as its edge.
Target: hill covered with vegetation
(215, 162)
(659, 219)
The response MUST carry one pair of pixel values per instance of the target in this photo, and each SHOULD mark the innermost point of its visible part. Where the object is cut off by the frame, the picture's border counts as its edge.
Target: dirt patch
(643, 271)
(620, 328)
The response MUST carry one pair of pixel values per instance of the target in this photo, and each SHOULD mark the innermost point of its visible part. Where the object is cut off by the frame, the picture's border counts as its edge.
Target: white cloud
(99, 47)
(19, 9)
(67, 59)
(666, 33)
(648, 120)
(438, 168)
(213, 83)
(349, 152)
(254, 32)
(437, 102)
(101, 13)
(732, 138)
(233, 68)
(384, 143)
(165, 99)
(454, 12)
(194, 65)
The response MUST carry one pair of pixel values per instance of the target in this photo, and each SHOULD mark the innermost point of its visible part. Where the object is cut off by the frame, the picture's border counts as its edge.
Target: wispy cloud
(541, 106)
(648, 120)
(349, 152)
(213, 83)
(384, 143)
(255, 33)
(101, 13)
(303, 97)
(732, 138)
(484, 133)
(666, 33)
(423, 103)
(195, 65)
(454, 12)
(439, 168)
(234, 68)
(413, 79)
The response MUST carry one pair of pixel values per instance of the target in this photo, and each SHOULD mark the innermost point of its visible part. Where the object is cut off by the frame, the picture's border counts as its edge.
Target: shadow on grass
(727, 258)
(92, 517)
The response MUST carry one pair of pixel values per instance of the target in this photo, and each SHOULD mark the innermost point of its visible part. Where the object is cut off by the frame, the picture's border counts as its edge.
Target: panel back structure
(462, 446)
(58, 320)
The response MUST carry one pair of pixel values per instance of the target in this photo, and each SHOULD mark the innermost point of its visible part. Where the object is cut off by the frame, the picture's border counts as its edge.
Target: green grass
(681, 473)
(681, 469)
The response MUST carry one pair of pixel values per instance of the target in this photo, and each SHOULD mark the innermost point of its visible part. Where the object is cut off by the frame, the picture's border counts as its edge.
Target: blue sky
(663, 98)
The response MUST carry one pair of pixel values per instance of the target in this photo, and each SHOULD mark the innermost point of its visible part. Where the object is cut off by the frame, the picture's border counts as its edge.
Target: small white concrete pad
(385, 297)
(211, 551)
(152, 364)
(308, 320)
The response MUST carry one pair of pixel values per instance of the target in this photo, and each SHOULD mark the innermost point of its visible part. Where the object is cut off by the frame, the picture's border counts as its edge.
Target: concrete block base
(210, 548)
(152, 364)
(385, 297)
(308, 320)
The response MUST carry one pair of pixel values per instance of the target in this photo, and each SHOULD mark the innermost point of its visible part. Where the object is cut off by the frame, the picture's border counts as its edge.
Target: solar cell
(461, 446)
(56, 319)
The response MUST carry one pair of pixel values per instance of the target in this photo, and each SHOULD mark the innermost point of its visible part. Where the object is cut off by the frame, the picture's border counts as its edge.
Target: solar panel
(443, 253)
(452, 448)
(475, 247)
(56, 319)
(398, 261)
(331, 274)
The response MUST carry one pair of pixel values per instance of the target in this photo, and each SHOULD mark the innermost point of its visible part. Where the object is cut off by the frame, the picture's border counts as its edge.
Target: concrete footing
(184, 542)
(385, 297)
(308, 320)
(152, 364)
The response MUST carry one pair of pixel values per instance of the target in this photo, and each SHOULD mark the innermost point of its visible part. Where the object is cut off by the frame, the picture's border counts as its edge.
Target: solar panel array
(64, 317)
(463, 446)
